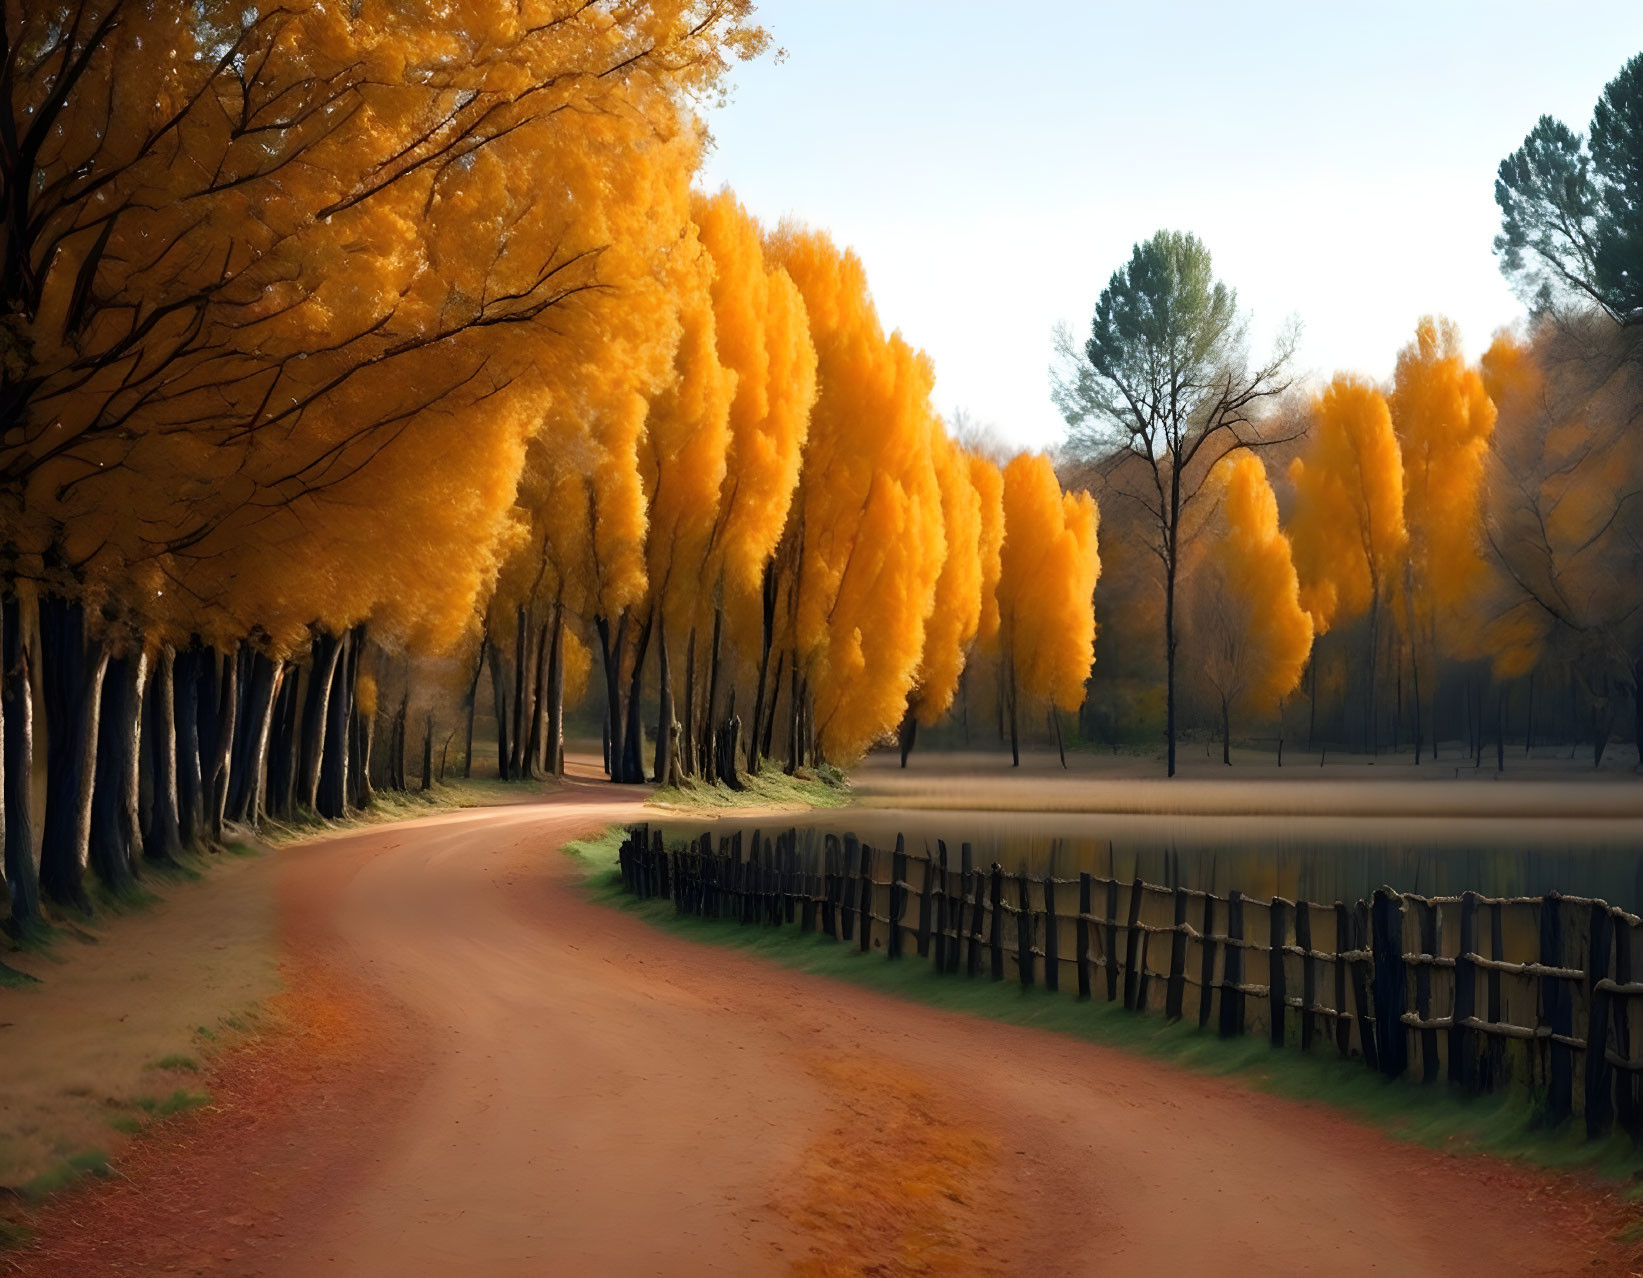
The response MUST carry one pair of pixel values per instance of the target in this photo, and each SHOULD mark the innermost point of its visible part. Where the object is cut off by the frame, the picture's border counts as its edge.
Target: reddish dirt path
(485, 1075)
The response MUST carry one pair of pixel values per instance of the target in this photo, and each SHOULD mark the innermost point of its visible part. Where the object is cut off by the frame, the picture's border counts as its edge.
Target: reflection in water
(1313, 857)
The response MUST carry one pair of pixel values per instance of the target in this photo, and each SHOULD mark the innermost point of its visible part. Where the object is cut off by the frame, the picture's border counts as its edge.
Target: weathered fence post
(1132, 951)
(1023, 930)
(1052, 937)
(1599, 1073)
(1112, 932)
(1277, 985)
(1626, 1106)
(1206, 971)
(847, 888)
(898, 894)
(1391, 999)
(978, 909)
(1497, 952)
(943, 948)
(997, 937)
(1309, 972)
(864, 901)
(793, 880)
(1426, 915)
(1463, 1055)
(1085, 902)
(1343, 943)
(1232, 969)
(924, 906)
(1175, 994)
(830, 885)
(1559, 1014)
(1362, 970)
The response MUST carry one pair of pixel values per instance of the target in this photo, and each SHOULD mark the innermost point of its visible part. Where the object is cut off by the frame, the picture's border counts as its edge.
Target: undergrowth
(823, 787)
(1438, 1116)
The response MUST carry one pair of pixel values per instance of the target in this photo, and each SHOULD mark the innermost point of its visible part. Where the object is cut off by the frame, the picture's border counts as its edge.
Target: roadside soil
(479, 1072)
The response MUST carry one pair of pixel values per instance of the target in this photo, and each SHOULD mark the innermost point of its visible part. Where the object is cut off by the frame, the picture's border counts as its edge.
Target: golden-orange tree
(1049, 567)
(1347, 528)
(253, 255)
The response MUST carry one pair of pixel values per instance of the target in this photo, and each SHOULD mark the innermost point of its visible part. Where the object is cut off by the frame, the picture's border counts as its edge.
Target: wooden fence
(1400, 982)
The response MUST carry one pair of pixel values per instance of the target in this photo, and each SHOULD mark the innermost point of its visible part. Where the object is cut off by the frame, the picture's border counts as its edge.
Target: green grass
(93, 1162)
(180, 1101)
(1504, 1124)
(824, 787)
(176, 1061)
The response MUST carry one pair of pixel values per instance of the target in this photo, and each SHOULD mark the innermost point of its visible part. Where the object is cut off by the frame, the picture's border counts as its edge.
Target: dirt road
(489, 1076)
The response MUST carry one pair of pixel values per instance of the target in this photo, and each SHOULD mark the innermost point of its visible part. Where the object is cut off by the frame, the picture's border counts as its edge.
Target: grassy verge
(825, 787)
(1439, 1117)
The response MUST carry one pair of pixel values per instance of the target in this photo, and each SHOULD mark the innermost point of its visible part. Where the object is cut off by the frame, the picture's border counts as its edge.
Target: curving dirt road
(490, 1076)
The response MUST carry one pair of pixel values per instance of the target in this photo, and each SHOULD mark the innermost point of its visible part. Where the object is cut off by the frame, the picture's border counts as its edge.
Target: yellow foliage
(957, 613)
(1347, 529)
(1049, 567)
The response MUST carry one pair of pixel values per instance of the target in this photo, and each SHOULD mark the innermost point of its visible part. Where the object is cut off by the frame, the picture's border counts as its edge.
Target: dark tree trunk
(610, 648)
(1226, 733)
(339, 712)
(258, 675)
(767, 637)
(1015, 736)
(284, 744)
(633, 743)
(69, 752)
(665, 725)
(770, 714)
(473, 705)
(907, 734)
(795, 715)
(223, 756)
(428, 755)
(17, 729)
(316, 713)
(113, 853)
(556, 694)
(1060, 744)
(499, 698)
(162, 834)
(521, 691)
(710, 728)
(535, 758)
(185, 694)
(687, 737)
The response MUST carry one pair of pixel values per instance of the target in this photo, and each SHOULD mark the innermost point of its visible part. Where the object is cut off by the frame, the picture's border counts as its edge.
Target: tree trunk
(256, 791)
(331, 793)
(1226, 733)
(1015, 735)
(907, 734)
(664, 696)
(428, 755)
(473, 704)
(556, 693)
(610, 646)
(162, 836)
(284, 743)
(536, 760)
(795, 714)
(1500, 731)
(223, 755)
(521, 690)
(327, 650)
(1415, 700)
(185, 717)
(17, 729)
(767, 637)
(712, 724)
(1060, 744)
(261, 675)
(499, 698)
(113, 852)
(770, 715)
(633, 743)
(64, 671)
(687, 735)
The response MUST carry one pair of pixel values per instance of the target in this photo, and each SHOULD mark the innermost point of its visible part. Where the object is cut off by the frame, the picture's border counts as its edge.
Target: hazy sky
(994, 163)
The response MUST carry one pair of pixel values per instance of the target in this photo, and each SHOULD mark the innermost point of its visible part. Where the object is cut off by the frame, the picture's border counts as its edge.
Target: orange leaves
(1348, 527)
(1049, 567)
(1252, 636)
(1444, 419)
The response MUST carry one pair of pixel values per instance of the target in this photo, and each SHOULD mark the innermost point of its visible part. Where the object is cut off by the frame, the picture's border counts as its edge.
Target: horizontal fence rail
(1400, 982)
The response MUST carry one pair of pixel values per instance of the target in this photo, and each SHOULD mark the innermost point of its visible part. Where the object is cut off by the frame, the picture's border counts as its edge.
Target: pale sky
(993, 163)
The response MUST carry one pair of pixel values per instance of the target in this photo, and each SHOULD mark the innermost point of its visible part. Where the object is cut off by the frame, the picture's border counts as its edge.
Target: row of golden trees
(1448, 560)
(351, 353)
